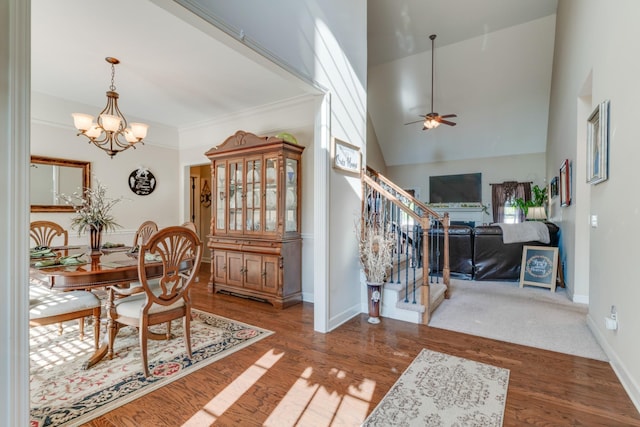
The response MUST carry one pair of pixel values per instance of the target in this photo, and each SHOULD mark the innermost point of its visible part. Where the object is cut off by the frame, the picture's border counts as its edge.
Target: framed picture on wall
(565, 183)
(553, 187)
(598, 144)
(346, 157)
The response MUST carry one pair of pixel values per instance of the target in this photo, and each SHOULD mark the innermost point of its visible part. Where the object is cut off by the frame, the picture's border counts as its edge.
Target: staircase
(409, 294)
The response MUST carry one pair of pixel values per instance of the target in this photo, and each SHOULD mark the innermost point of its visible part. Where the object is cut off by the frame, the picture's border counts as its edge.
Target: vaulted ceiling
(492, 68)
(493, 63)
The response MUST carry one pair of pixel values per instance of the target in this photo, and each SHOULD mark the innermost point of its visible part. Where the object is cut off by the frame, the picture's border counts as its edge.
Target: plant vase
(374, 295)
(95, 239)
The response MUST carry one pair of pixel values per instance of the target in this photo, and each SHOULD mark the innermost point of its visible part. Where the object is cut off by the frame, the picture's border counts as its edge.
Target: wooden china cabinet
(255, 242)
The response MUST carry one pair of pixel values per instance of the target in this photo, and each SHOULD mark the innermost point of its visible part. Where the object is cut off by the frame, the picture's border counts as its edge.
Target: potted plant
(93, 212)
(376, 253)
(539, 199)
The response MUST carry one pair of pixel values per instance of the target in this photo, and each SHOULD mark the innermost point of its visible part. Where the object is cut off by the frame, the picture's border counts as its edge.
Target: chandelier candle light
(110, 132)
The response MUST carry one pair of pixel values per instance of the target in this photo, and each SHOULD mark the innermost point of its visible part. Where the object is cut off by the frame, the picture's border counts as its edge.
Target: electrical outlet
(611, 321)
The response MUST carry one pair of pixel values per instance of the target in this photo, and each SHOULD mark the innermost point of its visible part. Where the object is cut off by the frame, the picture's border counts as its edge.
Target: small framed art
(565, 183)
(346, 157)
(553, 187)
(539, 266)
(598, 144)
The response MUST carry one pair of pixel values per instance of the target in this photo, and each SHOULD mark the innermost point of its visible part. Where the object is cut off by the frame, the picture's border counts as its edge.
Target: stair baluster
(389, 206)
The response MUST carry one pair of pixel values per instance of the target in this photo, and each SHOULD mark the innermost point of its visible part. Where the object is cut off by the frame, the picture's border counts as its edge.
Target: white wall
(295, 117)
(375, 159)
(53, 135)
(498, 84)
(325, 43)
(595, 60)
(526, 167)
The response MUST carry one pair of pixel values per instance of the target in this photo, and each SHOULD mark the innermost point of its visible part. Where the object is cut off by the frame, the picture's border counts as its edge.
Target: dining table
(97, 270)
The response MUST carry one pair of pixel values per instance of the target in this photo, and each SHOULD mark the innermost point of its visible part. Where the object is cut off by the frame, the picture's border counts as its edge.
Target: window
(510, 213)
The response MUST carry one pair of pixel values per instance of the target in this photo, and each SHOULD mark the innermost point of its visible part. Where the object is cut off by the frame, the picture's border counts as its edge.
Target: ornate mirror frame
(67, 163)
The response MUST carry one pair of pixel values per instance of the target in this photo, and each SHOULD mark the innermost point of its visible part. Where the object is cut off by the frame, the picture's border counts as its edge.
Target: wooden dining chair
(44, 233)
(180, 252)
(145, 231)
(190, 225)
(47, 306)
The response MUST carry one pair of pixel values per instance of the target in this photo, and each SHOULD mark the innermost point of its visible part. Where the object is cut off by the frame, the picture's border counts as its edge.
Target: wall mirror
(51, 176)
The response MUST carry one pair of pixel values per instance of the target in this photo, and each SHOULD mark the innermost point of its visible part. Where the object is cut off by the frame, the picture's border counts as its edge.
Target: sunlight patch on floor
(311, 403)
(227, 397)
(64, 350)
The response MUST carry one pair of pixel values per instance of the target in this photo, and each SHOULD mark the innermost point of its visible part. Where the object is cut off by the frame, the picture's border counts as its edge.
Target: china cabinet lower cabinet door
(253, 272)
(235, 269)
(219, 266)
(270, 269)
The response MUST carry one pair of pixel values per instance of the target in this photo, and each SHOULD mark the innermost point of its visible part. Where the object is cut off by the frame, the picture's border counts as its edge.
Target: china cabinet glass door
(253, 199)
(271, 195)
(236, 188)
(220, 199)
(291, 198)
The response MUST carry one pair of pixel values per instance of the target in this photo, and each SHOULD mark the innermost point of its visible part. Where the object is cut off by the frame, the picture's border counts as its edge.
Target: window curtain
(508, 191)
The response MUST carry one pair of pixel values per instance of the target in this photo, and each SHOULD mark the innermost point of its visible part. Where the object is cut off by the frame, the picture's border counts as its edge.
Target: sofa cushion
(495, 260)
(460, 251)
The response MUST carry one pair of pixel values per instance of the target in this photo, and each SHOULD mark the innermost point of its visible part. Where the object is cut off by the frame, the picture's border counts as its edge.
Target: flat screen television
(462, 188)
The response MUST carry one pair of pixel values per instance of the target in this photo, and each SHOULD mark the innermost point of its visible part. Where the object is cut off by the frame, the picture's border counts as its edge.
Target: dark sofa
(479, 253)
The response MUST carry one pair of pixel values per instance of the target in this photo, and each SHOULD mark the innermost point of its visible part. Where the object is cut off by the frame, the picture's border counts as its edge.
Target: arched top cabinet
(255, 220)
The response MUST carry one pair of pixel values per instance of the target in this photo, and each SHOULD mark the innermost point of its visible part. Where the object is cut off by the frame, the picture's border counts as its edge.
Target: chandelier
(110, 132)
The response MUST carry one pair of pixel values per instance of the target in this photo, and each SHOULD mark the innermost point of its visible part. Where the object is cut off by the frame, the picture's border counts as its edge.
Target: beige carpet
(442, 390)
(531, 316)
(62, 393)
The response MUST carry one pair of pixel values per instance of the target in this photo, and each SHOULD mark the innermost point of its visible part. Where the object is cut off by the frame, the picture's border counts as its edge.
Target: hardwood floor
(300, 377)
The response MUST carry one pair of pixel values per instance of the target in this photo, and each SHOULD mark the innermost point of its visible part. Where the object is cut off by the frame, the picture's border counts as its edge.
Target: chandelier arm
(123, 144)
(111, 141)
(98, 142)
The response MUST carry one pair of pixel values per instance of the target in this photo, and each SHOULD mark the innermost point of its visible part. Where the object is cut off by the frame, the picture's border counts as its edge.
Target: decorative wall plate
(142, 182)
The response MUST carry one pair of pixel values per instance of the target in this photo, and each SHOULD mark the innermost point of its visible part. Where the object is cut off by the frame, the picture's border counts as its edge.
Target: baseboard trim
(581, 299)
(343, 317)
(307, 297)
(631, 387)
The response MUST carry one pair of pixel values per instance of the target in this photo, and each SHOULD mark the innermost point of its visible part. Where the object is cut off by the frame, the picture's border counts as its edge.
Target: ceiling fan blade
(448, 115)
(446, 122)
(417, 121)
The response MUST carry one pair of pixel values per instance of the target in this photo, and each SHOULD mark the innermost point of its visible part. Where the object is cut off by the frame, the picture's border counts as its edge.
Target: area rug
(441, 390)
(63, 394)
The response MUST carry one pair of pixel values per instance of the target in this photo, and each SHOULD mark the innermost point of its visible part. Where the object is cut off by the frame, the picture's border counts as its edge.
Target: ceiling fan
(433, 120)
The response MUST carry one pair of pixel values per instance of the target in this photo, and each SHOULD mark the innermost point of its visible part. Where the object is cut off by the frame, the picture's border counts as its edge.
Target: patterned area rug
(62, 393)
(442, 390)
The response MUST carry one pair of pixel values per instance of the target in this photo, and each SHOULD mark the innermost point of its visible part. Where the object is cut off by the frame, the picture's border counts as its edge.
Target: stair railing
(389, 206)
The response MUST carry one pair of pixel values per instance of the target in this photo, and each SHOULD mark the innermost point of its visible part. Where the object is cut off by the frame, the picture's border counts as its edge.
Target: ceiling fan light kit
(432, 120)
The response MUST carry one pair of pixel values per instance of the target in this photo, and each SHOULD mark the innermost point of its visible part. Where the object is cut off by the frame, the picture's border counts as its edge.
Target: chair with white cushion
(47, 307)
(145, 230)
(180, 251)
(45, 233)
(190, 225)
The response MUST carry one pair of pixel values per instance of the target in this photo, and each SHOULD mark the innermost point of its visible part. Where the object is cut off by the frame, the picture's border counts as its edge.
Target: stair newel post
(398, 241)
(446, 272)
(425, 296)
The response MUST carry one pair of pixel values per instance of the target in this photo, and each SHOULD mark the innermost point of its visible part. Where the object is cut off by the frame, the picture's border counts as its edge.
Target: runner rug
(442, 390)
(62, 393)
